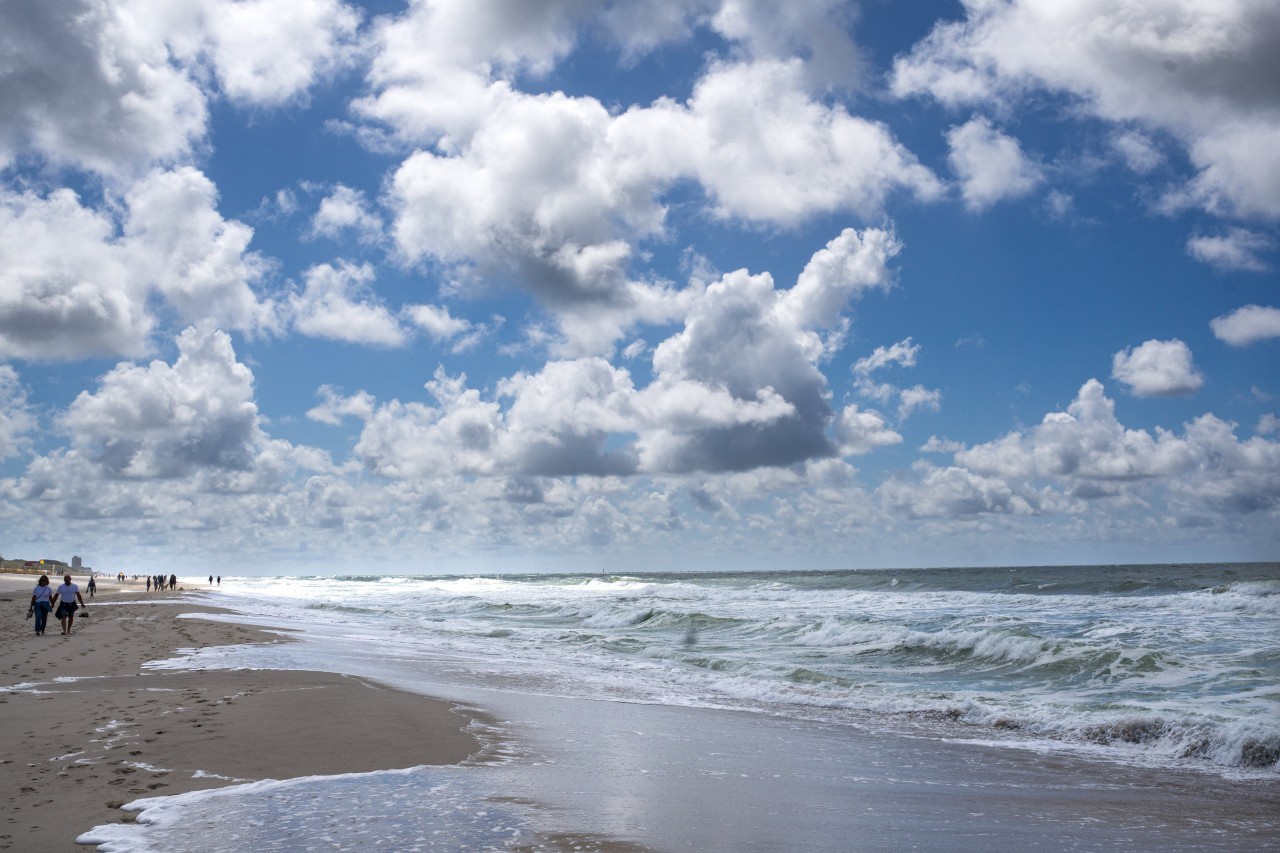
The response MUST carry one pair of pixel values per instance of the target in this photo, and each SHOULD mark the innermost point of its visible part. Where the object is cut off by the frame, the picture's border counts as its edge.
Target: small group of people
(160, 582)
(211, 580)
(67, 598)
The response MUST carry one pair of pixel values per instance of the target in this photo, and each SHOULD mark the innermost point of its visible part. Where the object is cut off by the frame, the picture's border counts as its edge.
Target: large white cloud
(118, 86)
(414, 440)
(169, 420)
(1247, 325)
(338, 303)
(756, 343)
(1201, 72)
(561, 418)
(737, 388)
(860, 431)
(78, 281)
(85, 84)
(67, 287)
(990, 164)
(1157, 369)
(950, 493)
(554, 193)
(1087, 441)
(442, 327)
(200, 262)
(432, 65)
(550, 172)
(767, 151)
(266, 52)
(818, 30)
(1087, 453)
(346, 210)
(1237, 249)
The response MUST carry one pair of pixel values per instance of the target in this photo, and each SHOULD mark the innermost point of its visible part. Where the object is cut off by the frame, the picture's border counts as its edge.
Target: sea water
(1162, 667)
(1167, 664)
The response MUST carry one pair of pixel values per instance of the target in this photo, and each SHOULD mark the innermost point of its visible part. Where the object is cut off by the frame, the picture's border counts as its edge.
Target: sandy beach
(108, 731)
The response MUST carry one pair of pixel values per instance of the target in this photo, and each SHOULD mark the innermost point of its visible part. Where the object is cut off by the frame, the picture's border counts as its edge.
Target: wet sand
(73, 751)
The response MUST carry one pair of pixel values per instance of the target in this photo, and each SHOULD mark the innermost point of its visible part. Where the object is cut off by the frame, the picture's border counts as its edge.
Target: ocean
(1146, 669)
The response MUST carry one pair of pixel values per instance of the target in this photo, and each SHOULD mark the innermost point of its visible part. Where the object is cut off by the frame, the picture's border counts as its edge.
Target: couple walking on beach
(43, 599)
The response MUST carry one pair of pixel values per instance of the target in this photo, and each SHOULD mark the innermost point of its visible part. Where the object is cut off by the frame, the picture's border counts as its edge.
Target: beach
(533, 745)
(107, 732)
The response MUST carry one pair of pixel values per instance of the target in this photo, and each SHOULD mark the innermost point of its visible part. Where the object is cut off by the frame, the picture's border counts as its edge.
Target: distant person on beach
(219, 580)
(93, 587)
(210, 580)
(173, 581)
(67, 596)
(148, 584)
(42, 603)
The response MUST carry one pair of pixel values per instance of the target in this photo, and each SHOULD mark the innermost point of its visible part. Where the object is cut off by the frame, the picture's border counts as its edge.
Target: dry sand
(74, 751)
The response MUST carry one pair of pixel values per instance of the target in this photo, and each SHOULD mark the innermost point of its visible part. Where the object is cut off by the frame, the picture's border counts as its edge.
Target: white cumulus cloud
(1247, 325)
(556, 194)
(1201, 72)
(990, 165)
(118, 87)
(346, 210)
(78, 281)
(338, 303)
(163, 420)
(1238, 249)
(1157, 369)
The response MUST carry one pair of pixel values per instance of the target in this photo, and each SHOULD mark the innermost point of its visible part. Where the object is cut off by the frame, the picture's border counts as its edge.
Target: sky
(451, 286)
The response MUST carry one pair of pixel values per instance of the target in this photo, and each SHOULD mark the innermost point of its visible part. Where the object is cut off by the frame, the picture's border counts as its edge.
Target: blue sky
(305, 285)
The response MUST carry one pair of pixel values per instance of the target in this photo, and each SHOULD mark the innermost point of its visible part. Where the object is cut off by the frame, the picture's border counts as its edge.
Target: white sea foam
(404, 810)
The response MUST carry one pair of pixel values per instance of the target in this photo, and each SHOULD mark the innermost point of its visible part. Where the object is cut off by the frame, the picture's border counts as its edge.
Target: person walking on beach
(210, 580)
(173, 582)
(42, 603)
(67, 596)
(148, 584)
(93, 587)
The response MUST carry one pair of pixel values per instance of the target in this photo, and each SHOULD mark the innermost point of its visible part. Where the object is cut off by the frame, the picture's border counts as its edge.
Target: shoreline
(87, 729)
(585, 773)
